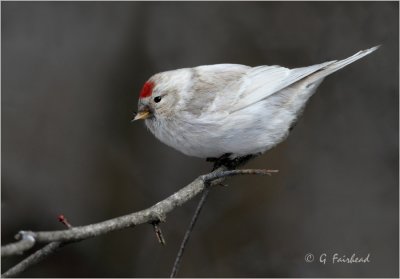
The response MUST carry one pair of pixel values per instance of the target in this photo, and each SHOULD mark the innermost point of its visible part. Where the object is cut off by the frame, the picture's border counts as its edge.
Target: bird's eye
(157, 99)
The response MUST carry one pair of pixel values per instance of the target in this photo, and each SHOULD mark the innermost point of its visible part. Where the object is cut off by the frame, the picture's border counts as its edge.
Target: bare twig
(151, 214)
(158, 232)
(61, 218)
(188, 233)
(36, 257)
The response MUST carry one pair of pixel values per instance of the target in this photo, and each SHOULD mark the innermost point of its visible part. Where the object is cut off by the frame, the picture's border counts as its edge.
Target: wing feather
(263, 81)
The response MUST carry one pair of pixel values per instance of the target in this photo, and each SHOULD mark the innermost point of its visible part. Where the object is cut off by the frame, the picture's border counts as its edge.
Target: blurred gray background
(71, 75)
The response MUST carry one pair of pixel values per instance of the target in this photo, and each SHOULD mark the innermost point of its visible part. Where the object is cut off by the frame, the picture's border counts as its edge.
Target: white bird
(229, 109)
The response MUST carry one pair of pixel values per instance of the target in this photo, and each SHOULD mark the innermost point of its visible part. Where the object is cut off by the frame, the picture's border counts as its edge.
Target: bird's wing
(209, 86)
(263, 81)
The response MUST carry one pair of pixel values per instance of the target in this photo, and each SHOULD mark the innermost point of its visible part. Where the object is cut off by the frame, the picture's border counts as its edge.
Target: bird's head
(147, 102)
(159, 96)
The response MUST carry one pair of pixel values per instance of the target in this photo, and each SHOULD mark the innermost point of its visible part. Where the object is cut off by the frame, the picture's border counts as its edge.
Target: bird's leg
(230, 163)
(221, 161)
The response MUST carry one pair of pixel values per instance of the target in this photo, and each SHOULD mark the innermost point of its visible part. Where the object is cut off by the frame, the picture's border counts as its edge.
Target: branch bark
(154, 213)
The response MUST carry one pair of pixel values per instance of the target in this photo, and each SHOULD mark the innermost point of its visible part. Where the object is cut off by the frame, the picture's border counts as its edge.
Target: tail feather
(333, 67)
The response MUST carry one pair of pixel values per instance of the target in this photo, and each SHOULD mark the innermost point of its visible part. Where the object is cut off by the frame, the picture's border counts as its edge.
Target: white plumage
(208, 111)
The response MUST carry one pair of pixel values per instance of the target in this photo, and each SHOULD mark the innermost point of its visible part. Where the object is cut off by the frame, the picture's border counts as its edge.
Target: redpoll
(209, 111)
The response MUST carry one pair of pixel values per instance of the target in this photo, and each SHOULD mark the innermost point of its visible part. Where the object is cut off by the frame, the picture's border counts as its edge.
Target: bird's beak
(143, 113)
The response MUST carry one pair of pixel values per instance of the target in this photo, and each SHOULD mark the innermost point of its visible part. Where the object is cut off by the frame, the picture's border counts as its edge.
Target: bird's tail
(337, 65)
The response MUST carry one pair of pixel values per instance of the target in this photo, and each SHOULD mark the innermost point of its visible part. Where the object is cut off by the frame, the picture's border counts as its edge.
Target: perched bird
(228, 110)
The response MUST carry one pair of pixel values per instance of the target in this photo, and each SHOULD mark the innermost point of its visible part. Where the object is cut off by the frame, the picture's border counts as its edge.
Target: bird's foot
(228, 162)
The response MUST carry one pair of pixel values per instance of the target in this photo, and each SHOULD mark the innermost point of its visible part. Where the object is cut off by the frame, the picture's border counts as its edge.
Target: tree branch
(32, 259)
(154, 213)
(226, 162)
